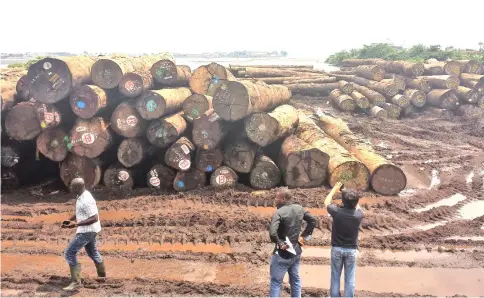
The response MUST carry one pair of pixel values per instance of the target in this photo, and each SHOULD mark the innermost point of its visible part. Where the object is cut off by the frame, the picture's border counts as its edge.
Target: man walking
(344, 239)
(287, 222)
(88, 226)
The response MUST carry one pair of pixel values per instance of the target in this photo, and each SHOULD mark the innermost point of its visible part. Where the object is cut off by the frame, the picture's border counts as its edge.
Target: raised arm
(329, 198)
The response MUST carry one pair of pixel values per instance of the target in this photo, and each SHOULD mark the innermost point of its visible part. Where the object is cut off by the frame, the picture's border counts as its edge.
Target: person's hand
(283, 246)
(301, 241)
(338, 185)
(67, 224)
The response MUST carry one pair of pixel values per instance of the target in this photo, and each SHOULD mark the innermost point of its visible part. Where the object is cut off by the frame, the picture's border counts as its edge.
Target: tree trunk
(52, 143)
(378, 112)
(193, 179)
(375, 98)
(223, 177)
(342, 101)
(393, 111)
(107, 72)
(346, 87)
(236, 100)
(90, 137)
(265, 128)
(342, 167)
(312, 89)
(179, 155)
(127, 122)
(51, 80)
(452, 68)
(117, 176)
(27, 119)
(473, 77)
(371, 72)
(209, 130)
(235, 67)
(154, 104)
(208, 160)
(443, 82)
(399, 81)
(472, 66)
(418, 83)
(357, 62)
(207, 78)
(443, 98)
(301, 164)
(88, 100)
(386, 178)
(167, 73)
(160, 177)
(133, 151)
(399, 67)
(239, 154)
(360, 100)
(196, 105)
(265, 174)
(401, 101)
(10, 156)
(133, 84)
(23, 88)
(418, 98)
(81, 167)
(388, 88)
(467, 95)
(165, 131)
(476, 85)
(469, 111)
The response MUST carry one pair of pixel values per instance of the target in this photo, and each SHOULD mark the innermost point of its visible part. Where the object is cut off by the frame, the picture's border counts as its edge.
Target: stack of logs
(146, 121)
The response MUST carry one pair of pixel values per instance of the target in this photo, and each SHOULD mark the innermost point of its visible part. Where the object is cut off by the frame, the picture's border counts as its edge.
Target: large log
(301, 164)
(133, 151)
(295, 80)
(418, 83)
(23, 88)
(342, 166)
(442, 82)
(357, 62)
(207, 78)
(27, 119)
(196, 105)
(223, 177)
(51, 79)
(107, 72)
(453, 68)
(467, 95)
(393, 111)
(52, 143)
(190, 180)
(418, 98)
(236, 67)
(236, 100)
(472, 84)
(167, 73)
(388, 88)
(154, 104)
(346, 87)
(342, 101)
(160, 177)
(165, 131)
(400, 100)
(473, 77)
(312, 89)
(265, 128)
(209, 130)
(472, 66)
(371, 72)
(265, 174)
(208, 160)
(360, 100)
(89, 100)
(133, 84)
(386, 178)
(179, 155)
(117, 176)
(239, 154)
(399, 67)
(378, 112)
(374, 97)
(397, 79)
(254, 72)
(127, 122)
(90, 137)
(443, 98)
(81, 167)
(469, 111)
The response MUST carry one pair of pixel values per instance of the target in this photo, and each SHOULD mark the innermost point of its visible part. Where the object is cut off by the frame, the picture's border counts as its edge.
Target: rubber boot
(101, 271)
(75, 278)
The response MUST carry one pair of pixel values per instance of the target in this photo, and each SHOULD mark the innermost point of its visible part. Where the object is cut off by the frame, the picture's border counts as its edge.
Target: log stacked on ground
(133, 84)
(208, 160)
(153, 104)
(90, 137)
(89, 100)
(127, 122)
(118, 176)
(165, 131)
(209, 130)
(207, 78)
(265, 174)
(239, 154)
(189, 180)
(342, 101)
(160, 177)
(133, 151)
(223, 177)
(167, 73)
(81, 167)
(196, 105)
(179, 155)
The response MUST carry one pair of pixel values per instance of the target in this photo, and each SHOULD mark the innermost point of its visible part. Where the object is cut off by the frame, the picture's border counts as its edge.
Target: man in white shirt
(88, 226)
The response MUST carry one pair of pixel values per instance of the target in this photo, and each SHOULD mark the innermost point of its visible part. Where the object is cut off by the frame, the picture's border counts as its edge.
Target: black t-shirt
(346, 225)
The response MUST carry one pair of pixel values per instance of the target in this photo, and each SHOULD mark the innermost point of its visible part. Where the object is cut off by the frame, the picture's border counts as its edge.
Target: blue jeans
(343, 257)
(86, 240)
(279, 267)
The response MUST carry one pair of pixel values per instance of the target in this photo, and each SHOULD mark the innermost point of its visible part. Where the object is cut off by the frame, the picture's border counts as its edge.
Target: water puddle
(450, 201)
(434, 180)
(472, 210)
(431, 226)
(470, 177)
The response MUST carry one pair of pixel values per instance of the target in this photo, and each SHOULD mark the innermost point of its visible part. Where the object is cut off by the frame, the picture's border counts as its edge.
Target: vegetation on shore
(26, 64)
(417, 53)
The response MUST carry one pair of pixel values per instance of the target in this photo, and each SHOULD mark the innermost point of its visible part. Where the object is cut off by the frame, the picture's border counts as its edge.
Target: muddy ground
(428, 240)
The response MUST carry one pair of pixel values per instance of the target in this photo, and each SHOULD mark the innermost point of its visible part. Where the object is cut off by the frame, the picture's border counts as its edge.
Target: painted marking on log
(185, 149)
(155, 181)
(88, 138)
(48, 117)
(132, 120)
(81, 128)
(47, 65)
(54, 143)
(123, 175)
(81, 104)
(205, 147)
(151, 105)
(208, 168)
(129, 85)
(221, 179)
(184, 164)
(180, 184)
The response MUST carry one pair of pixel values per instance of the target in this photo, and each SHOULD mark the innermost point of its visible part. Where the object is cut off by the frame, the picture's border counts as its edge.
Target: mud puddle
(472, 210)
(450, 201)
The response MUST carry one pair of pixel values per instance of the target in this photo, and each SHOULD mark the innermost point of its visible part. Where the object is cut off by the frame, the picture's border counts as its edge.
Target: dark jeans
(86, 240)
(343, 257)
(279, 267)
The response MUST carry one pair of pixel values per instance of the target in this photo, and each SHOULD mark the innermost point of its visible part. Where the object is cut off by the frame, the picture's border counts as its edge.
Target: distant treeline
(417, 53)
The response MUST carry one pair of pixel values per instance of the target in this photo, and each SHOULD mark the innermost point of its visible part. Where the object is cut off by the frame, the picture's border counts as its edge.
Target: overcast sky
(303, 28)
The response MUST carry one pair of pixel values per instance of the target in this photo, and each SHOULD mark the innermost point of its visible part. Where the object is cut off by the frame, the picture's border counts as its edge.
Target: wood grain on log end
(265, 174)
(165, 131)
(388, 179)
(160, 177)
(52, 143)
(223, 177)
(190, 180)
(81, 167)
(118, 176)
(87, 100)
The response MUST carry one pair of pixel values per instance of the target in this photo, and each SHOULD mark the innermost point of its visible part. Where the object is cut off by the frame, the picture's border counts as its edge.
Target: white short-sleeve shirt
(85, 208)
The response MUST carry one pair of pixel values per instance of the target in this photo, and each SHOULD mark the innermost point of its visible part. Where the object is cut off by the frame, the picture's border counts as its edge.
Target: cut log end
(127, 122)
(388, 179)
(132, 151)
(239, 155)
(207, 78)
(106, 73)
(223, 177)
(179, 155)
(151, 105)
(160, 177)
(23, 88)
(90, 138)
(165, 131)
(52, 143)
(164, 72)
(196, 105)
(50, 80)
(261, 129)
(265, 174)
(119, 177)
(231, 102)
(208, 160)
(353, 175)
(131, 85)
(193, 179)
(80, 167)
(87, 100)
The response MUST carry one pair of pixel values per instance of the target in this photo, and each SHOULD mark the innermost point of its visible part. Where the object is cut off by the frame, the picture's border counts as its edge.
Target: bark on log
(386, 178)
(196, 105)
(342, 101)
(443, 98)
(89, 100)
(386, 88)
(133, 151)
(301, 164)
(472, 66)
(52, 143)
(223, 177)
(236, 100)
(154, 104)
(378, 112)
(360, 100)
(265, 128)
(10, 156)
(469, 111)
(418, 98)
(207, 78)
(371, 72)
(453, 68)
(342, 167)
(375, 98)
(399, 67)
(209, 130)
(237, 67)
(265, 174)
(239, 154)
(179, 155)
(401, 101)
(476, 85)
(127, 122)
(312, 89)
(81, 167)
(294, 80)
(420, 84)
(254, 72)
(167, 73)
(160, 177)
(165, 131)
(442, 82)
(119, 177)
(208, 160)
(393, 111)
(467, 95)
(107, 72)
(51, 80)
(473, 77)
(409, 111)
(23, 88)
(193, 179)
(90, 137)
(9, 80)
(357, 62)
(133, 84)
(398, 80)
(27, 119)
(346, 87)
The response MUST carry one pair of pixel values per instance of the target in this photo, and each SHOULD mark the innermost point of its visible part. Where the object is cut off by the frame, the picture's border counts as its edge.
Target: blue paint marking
(181, 184)
(80, 104)
(208, 169)
(151, 105)
(215, 80)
